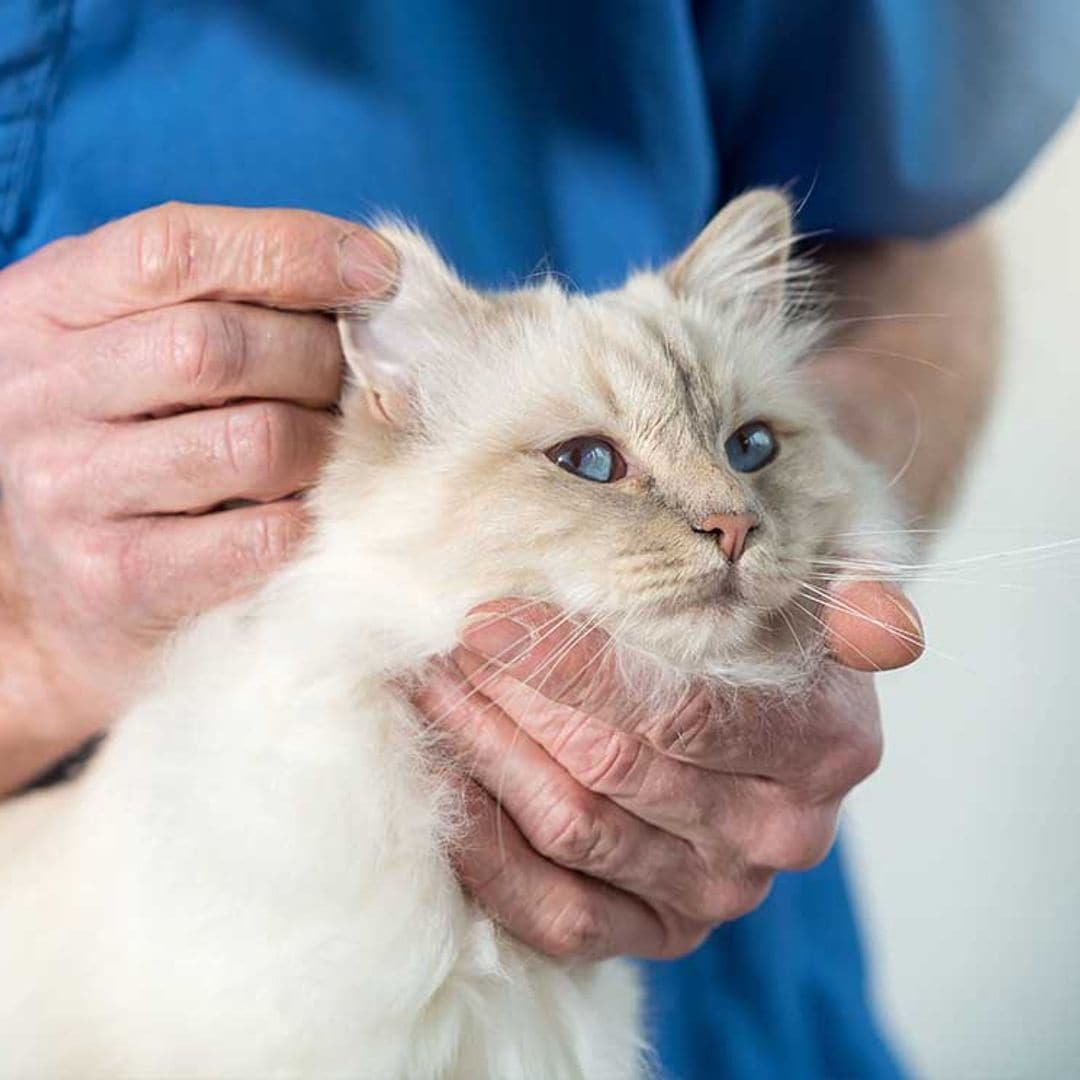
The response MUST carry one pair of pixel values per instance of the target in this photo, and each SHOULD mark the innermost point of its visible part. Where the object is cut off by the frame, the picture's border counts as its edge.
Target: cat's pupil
(590, 458)
(752, 447)
(593, 461)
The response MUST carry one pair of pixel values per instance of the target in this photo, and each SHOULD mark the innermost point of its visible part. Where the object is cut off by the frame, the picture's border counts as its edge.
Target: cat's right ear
(387, 342)
(742, 258)
(386, 383)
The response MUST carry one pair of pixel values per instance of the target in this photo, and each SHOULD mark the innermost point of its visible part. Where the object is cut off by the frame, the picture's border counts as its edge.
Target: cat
(254, 876)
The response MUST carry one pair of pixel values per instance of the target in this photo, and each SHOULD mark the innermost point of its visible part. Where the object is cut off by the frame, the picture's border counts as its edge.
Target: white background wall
(968, 840)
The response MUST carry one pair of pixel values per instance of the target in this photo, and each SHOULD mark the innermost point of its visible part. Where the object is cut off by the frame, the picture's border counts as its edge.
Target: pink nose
(731, 532)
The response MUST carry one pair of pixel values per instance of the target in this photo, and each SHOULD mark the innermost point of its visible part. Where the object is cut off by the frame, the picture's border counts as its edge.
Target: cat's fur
(253, 877)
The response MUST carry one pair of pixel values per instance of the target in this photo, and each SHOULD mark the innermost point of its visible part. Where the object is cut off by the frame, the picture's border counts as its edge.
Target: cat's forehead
(655, 361)
(633, 362)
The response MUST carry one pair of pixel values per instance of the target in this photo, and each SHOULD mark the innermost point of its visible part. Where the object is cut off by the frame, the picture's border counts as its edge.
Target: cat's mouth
(724, 588)
(729, 588)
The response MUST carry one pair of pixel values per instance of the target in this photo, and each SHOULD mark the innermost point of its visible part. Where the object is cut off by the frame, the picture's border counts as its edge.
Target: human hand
(151, 371)
(598, 829)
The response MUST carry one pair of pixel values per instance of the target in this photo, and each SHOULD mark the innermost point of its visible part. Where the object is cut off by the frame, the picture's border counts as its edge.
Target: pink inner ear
(376, 407)
(392, 406)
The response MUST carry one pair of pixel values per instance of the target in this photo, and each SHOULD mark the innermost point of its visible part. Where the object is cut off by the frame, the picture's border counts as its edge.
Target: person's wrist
(911, 366)
(39, 722)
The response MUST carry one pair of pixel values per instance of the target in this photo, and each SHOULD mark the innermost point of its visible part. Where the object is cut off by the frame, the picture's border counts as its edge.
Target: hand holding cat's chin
(606, 824)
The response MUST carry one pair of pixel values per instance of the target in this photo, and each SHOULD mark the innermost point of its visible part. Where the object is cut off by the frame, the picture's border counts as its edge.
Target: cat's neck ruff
(343, 606)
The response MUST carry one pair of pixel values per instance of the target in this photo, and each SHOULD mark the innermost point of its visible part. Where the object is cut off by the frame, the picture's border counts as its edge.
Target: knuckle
(44, 489)
(683, 936)
(271, 540)
(254, 438)
(38, 481)
(204, 348)
(103, 570)
(849, 762)
(571, 832)
(610, 767)
(166, 248)
(732, 898)
(864, 754)
(796, 838)
(126, 566)
(188, 347)
(576, 927)
(596, 685)
(853, 746)
(686, 727)
(748, 896)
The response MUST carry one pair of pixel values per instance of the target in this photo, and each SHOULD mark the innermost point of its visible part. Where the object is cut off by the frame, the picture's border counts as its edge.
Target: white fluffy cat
(252, 879)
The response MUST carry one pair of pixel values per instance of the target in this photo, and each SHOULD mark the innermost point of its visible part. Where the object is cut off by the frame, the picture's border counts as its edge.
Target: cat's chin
(729, 642)
(747, 629)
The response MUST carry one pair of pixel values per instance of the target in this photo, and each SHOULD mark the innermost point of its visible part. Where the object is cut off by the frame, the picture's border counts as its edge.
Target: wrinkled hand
(152, 371)
(599, 828)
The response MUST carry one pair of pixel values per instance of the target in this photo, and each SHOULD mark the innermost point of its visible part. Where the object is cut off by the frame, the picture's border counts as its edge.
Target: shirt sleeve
(887, 117)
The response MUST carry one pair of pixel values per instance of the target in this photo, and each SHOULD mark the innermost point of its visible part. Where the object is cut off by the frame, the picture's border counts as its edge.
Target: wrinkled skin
(603, 829)
(178, 360)
(148, 373)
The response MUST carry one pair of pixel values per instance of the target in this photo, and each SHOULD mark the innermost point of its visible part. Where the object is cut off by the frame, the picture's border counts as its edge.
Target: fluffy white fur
(252, 879)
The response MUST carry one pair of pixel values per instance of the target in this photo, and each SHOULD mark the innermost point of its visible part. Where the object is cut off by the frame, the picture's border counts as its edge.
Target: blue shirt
(587, 136)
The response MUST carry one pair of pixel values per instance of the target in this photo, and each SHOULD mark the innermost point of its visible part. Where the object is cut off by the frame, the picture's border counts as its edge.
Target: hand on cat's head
(600, 826)
(156, 379)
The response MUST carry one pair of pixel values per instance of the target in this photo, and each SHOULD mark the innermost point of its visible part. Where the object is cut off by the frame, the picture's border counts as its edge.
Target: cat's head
(651, 456)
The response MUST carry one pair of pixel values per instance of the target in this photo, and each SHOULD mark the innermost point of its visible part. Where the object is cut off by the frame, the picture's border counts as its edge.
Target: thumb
(873, 627)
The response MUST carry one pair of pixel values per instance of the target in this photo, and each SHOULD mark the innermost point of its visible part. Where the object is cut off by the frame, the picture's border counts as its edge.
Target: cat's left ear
(388, 342)
(742, 257)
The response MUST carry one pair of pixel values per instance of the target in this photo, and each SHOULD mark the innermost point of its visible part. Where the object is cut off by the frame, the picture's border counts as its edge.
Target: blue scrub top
(585, 136)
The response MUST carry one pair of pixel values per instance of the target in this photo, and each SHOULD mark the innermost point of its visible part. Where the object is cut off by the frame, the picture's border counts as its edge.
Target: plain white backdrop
(967, 843)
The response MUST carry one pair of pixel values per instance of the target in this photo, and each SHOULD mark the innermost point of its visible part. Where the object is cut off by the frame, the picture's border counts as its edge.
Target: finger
(560, 657)
(202, 353)
(260, 452)
(189, 564)
(553, 909)
(734, 824)
(872, 626)
(752, 733)
(279, 258)
(694, 803)
(568, 663)
(562, 819)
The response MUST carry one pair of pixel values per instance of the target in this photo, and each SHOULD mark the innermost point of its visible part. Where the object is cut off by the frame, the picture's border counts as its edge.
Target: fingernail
(497, 637)
(368, 264)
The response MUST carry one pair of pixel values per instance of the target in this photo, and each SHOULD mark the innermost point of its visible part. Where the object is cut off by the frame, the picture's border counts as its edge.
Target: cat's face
(650, 456)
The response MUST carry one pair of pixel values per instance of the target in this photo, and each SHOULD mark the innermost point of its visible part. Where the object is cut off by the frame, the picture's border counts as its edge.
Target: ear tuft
(743, 256)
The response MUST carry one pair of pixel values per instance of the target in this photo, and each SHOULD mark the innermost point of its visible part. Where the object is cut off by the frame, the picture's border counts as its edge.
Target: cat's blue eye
(752, 447)
(589, 457)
